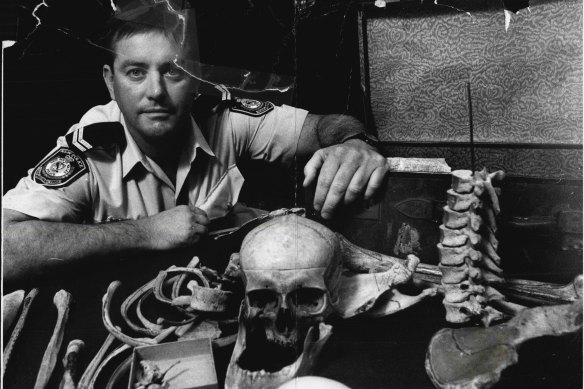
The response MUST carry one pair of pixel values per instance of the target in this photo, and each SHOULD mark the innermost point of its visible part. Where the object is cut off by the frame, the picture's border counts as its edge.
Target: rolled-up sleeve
(70, 203)
(271, 137)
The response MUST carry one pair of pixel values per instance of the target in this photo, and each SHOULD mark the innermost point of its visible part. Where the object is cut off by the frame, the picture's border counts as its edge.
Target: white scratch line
(454, 8)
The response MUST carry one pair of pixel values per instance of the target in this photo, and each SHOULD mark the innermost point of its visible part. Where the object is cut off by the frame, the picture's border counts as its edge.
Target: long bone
(523, 290)
(93, 365)
(18, 328)
(10, 306)
(70, 364)
(62, 301)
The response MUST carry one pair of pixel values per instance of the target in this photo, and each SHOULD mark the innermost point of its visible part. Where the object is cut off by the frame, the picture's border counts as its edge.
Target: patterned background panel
(526, 82)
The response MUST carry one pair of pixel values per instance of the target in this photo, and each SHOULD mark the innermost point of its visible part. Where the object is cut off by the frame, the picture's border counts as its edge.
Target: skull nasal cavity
(285, 320)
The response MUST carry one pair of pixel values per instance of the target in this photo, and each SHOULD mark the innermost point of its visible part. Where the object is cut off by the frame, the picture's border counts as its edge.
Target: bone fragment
(70, 364)
(462, 181)
(475, 357)
(10, 306)
(205, 299)
(360, 260)
(452, 237)
(18, 328)
(62, 301)
(454, 256)
(396, 301)
(453, 274)
(461, 202)
(457, 293)
(193, 263)
(489, 264)
(359, 292)
(455, 220)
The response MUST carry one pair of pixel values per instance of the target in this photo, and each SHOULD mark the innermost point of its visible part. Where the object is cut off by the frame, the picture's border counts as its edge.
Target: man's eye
(135, 73)
(175, 72)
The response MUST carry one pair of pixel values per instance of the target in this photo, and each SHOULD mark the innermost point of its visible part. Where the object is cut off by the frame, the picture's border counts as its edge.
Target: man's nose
(156, 87)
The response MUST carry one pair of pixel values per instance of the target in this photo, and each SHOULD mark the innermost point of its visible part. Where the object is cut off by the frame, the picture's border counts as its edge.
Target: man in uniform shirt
(140, 174)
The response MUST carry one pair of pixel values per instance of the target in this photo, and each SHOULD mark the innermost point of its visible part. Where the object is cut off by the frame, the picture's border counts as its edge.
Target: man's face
(153, 94)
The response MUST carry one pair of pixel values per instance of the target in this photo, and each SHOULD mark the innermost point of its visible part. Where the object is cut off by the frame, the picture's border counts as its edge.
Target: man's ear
(108, 77)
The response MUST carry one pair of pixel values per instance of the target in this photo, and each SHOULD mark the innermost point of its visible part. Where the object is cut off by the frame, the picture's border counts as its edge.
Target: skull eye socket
(307, 300)
(263, 299)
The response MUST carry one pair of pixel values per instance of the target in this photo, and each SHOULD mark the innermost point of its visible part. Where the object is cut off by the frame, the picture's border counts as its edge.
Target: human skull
(289, 276)
(291, 269)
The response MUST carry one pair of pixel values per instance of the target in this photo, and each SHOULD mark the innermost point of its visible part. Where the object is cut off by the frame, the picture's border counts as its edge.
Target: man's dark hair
(142, 19)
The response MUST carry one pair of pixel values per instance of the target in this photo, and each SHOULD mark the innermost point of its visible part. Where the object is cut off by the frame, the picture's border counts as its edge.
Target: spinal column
(468, 247)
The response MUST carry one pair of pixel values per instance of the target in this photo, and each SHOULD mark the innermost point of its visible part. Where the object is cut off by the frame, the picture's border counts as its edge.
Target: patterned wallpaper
(526, 82)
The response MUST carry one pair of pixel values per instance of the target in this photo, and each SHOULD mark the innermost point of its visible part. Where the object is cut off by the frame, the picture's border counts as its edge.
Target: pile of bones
(292, 273)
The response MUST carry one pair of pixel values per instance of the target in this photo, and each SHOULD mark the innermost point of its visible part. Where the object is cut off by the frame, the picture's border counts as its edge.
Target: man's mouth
(157, 111)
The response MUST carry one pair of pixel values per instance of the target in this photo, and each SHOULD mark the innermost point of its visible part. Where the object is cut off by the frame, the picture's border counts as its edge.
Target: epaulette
(251, 107)
(64, 165)
(102, 134)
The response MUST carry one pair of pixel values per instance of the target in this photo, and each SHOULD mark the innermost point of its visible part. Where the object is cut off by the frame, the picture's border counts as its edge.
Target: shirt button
(228, 206)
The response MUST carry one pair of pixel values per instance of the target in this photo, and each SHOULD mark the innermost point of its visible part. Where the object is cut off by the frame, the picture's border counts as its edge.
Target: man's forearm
(33, 247)
(320, 131)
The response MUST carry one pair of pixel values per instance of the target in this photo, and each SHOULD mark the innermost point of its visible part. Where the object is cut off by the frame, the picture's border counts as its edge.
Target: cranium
(291, 267)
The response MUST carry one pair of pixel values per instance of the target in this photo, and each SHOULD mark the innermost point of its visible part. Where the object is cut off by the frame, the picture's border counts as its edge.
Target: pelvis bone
(296, 273)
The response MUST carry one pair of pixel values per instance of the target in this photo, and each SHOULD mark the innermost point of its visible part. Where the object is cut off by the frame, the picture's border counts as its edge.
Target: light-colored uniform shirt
(122, 183)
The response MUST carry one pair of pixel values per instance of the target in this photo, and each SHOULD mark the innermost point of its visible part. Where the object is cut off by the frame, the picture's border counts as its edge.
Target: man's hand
(180, 226)
(344, 172)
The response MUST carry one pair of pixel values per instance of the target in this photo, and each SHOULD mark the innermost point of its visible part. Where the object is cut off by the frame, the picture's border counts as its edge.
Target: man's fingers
(326, 176)
(336, 190)
(312, 167)
(202, 219)
(376, 181)
(357, 185)
(200, 215)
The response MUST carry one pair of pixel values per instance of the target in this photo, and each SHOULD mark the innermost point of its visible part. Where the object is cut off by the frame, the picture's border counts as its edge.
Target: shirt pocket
(224, 195)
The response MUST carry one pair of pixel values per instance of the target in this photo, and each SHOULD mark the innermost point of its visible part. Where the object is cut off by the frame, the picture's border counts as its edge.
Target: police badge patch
(59, 169)
(252, 107)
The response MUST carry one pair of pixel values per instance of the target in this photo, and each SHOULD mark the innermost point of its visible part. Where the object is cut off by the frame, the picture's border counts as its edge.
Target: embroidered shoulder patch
(252, 107)
(59, 169)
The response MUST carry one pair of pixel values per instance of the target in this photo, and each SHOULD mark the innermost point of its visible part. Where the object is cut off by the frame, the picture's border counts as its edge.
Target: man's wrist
(365, 137)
